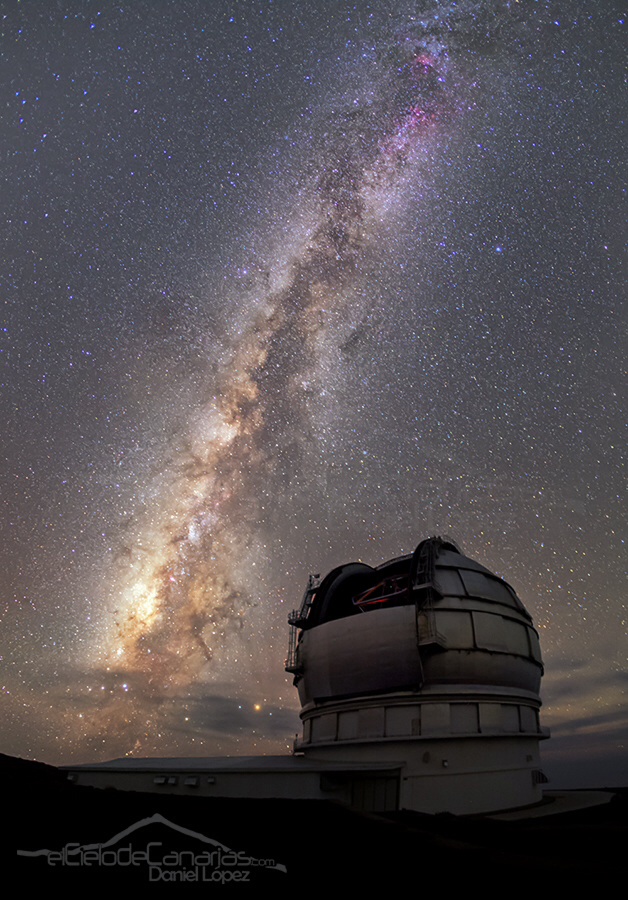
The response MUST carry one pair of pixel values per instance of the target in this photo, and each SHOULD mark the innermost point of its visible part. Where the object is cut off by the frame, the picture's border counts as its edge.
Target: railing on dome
(291, 664)
(297, 619)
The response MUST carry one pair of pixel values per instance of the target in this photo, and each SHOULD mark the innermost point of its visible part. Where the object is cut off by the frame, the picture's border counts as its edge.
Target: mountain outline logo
(104, 853)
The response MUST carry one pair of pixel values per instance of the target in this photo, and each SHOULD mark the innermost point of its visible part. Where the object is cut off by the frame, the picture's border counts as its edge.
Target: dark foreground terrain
(110, 839)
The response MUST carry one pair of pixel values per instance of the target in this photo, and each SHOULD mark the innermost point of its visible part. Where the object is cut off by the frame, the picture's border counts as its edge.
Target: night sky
(285, 285)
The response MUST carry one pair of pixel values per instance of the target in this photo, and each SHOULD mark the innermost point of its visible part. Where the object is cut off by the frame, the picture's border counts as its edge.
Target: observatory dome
(427, 656)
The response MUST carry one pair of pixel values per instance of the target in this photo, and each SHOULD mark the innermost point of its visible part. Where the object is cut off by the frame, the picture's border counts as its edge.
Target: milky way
(288, 285)
(183, 590)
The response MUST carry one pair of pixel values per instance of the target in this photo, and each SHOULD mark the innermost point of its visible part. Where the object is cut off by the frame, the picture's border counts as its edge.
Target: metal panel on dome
(350, 656)
(448, 581)
(456, 627)
(495, 632)
(449, 558)
(480, 585)
(489, 634)
(516, 634)
(535, 647)
(498, 668)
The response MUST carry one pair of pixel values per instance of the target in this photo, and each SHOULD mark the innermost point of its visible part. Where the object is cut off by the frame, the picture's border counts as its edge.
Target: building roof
(240, 764)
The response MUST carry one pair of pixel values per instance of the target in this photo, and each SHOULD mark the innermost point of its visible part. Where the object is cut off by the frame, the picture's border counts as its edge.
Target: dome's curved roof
(433, 623)
(437, 568)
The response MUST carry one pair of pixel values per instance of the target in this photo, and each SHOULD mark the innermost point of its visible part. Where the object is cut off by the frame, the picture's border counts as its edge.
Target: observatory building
(419, 686)
(428, 661)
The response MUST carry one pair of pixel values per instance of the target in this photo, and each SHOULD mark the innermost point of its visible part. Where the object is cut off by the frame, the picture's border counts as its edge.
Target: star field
(286, 285)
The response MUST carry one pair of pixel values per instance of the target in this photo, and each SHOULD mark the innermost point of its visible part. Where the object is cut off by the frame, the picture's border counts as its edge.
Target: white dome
(429, 663)
(432, 618)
